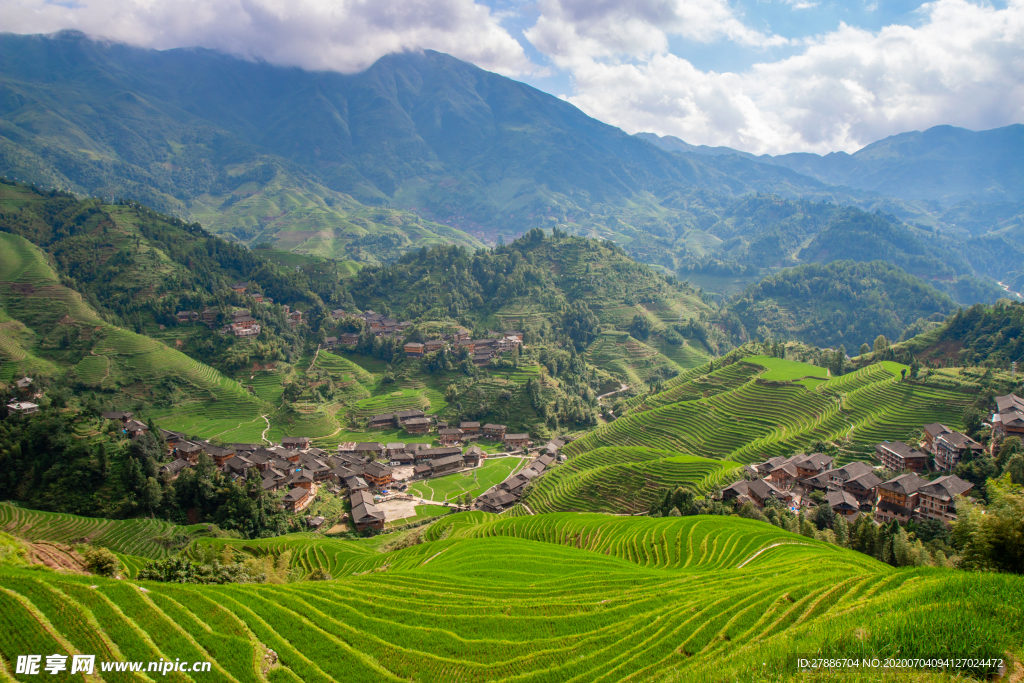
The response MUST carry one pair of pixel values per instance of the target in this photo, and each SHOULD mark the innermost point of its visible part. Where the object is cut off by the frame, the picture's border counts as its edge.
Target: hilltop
(742, 605)
(843, 302)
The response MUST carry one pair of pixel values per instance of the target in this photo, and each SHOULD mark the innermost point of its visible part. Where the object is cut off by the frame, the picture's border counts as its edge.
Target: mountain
(979, 335)
(943, 164)
(258, 151)
(842, 302)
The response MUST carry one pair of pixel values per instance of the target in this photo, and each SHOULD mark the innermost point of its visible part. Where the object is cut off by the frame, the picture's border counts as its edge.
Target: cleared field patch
(448, 488)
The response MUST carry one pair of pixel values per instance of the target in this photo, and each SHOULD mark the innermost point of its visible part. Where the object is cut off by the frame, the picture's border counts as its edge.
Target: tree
(864, 349)
(640, 328)
(881, 344)
(580, 325)
(1015, 468)
(992, 538)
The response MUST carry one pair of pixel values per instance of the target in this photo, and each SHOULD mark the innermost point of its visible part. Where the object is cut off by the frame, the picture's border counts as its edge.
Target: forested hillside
(846, 303)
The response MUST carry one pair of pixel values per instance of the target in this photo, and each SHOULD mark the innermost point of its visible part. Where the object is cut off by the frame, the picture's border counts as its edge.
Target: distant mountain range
(943, 164)
(422, 148)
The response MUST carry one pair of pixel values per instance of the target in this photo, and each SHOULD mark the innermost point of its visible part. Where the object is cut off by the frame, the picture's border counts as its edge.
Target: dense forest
(842, 302)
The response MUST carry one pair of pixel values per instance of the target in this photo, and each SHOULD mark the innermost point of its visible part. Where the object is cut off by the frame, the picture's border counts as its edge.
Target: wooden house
(517, 440)
(417, 425)
(186, 316)
(402, 416)
(1008, 418)
(761, 490)
(209, 316)
(382, 421)
(472, 456)
(843, 504)
(297, 499)
(174, 468)
(494, 431)
(897, 498)
(449, 436)
(496, 501)
(898, 457)
(220, 455)
(239, 287)
(295, 442)
(937, 499)
(433, 345)
(949, 449)
(446, 464)
(931, 432)
(348, 339)
(469, 427)
(514, 333)
(394, 448)
(370, 449)
(377, 475)
(135, 428)
(117, 415)
(414, 350)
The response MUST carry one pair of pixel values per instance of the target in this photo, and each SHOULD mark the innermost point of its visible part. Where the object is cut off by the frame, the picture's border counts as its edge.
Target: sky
(763, 76)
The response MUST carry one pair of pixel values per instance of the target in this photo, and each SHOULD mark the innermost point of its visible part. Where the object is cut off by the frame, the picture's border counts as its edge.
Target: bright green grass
(782, 370)
(491, 472)
(553, 598)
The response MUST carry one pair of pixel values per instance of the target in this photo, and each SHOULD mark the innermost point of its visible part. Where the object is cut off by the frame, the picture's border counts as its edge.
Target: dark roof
(297, 493)
(514, 437)
(545, 460)
(364, 497)
(115, 415)
(438, 452)
(903, 450)
(493, 426)
(245, 447)
(445, 461)
(905, 483)
(497, 499)
(175, 466)
(402, 414)
(382, 417)
(1009, 402)
(865, 481)
(960, 441)
(740, 487)
(377, 470)
(936, 428)
(851, 470)
(469, 425)
(416, 421)
(450, 432)
(841, 499)
(294, 439)
(763, 489)
(188, 447)
(366, 511)
(413, 345)
(816, 461)
(945, 488)
(368, 446)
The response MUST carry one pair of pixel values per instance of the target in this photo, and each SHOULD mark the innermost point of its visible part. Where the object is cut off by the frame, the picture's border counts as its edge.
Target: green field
(422, 512)
(734, 413)
(491, 472)
(563, 597)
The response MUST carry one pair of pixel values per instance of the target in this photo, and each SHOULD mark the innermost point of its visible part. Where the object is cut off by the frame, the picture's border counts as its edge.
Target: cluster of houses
(242, 324)
(416, 422)
(1008, 418)
(856, 487)
(480, 350)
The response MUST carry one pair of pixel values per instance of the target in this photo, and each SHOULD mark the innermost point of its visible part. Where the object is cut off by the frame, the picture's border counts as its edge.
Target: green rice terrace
(760, 407)
(558, 597)
(624, 479)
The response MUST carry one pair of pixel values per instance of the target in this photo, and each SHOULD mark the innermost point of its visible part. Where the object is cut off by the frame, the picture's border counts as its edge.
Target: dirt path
(263, 436)
(106, 358)
(621, 388)
(315, 355)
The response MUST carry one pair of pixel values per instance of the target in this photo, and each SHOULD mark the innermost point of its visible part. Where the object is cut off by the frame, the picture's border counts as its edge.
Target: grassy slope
(491, 472)
(546, 598)
(115, 357)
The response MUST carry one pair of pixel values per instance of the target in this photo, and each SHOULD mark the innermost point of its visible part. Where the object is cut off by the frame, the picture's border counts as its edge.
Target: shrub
(101, 561)
(319, 574)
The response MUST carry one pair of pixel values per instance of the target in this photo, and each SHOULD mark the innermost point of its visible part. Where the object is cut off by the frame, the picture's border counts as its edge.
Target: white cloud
(573, 32)
(337, 35)
(963, 65)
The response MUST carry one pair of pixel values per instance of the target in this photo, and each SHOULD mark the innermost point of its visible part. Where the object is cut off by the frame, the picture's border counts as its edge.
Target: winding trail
(621, 388)
(263, 436)
(314, 359)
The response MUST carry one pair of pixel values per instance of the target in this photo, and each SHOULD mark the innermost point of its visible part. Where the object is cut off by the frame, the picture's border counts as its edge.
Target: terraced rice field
(398, 399)
(586, 598)
(624, 480)
(633, 361)
(750, 419)
(135, 537)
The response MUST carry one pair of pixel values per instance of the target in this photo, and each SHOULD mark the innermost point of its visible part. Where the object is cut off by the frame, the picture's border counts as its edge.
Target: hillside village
(922, 487)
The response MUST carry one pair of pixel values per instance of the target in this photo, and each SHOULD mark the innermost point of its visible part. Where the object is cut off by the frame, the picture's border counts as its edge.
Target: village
(370, 474)
(803, 480)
